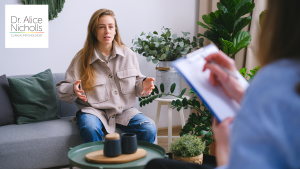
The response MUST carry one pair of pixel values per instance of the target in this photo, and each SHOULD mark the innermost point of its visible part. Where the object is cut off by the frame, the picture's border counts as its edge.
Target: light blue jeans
(91, 127)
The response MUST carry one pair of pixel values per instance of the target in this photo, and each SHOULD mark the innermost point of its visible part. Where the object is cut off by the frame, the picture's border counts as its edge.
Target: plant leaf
(208, 135)
(241, 40)
(247, 8)
(154, 33)
(198, 129)
(188, 128)
(155, 61)
(227, 20)
(209, 141)
(227, 46)
(181, 44)
(163, 56)
(221, 7)
(241, 3)
(230, 5)
(173, 86)
(240, 24)
(156, 44)
(156, 89)
(149, 58)
(224, 34)
(162, 87)
(203, 25)
(183, 91)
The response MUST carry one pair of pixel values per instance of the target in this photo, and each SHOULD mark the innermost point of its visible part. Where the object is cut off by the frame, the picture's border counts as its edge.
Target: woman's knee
(90, 127)
(148, 131)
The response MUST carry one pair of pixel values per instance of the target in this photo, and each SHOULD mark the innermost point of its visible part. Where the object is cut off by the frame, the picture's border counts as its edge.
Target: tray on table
(77, 156)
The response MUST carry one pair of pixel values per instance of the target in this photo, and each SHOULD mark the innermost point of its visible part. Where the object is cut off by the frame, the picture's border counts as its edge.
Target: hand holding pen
(222, 73)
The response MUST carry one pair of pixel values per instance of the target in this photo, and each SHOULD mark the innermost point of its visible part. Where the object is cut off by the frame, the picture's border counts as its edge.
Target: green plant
(54, 6)
(199, 123)
(225, 25)
(164, 47)
(187, 146)
(248, 76)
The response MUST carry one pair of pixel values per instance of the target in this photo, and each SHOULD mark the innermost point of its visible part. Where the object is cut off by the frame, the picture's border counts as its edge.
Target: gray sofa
(42, 144)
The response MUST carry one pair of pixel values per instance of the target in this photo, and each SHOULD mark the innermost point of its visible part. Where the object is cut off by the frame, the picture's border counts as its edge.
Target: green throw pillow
(33, 98)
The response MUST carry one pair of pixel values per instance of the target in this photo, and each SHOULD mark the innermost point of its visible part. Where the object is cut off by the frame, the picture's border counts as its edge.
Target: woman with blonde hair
(104, 80)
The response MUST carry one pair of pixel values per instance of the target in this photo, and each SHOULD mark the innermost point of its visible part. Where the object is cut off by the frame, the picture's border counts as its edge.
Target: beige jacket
(118, 83)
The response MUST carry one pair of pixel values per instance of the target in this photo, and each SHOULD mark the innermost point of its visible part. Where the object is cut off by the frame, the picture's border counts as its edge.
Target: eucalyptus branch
(199, 123)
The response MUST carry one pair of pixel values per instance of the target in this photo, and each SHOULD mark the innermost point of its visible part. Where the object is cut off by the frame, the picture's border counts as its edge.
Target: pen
(225, 69)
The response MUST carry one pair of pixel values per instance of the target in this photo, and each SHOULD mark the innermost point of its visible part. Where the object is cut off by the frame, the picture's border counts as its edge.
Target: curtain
(252, 49)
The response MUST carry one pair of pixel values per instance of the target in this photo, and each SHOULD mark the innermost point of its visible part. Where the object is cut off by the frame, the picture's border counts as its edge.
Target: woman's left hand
(222, 133)
(148, 85)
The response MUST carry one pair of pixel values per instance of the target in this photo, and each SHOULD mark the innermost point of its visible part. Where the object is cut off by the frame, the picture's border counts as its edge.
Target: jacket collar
(117, 50)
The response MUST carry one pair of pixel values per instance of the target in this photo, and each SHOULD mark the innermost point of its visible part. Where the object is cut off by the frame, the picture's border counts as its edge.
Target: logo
(26, 26)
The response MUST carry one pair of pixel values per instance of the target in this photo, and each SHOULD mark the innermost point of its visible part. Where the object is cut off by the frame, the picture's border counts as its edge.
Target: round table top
(77, 156)
(170, 100)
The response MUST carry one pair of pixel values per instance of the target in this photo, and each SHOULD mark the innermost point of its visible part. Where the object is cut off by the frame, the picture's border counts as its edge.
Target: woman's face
(106, 30)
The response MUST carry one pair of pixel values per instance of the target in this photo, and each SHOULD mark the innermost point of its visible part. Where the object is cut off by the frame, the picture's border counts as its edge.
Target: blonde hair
(87, 73)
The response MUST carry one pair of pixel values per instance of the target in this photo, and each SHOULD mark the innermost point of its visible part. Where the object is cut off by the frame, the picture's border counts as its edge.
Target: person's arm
(219, 77)
(143, 86)
(69, 89)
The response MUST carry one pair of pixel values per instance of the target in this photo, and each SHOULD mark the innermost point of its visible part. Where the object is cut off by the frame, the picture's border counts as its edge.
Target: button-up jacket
(118, 82)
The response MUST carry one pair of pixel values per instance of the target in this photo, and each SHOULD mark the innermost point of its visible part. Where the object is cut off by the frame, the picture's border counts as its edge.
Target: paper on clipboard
(190, 68)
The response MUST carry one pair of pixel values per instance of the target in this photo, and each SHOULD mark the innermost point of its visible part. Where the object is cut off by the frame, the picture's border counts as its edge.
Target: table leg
(157, 114)
(70, 166)
(182, 117)
(169, 126)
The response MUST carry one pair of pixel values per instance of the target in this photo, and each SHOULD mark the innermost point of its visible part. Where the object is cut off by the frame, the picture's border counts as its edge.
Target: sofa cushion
(40, 144)
(6, 113)
(33, 98)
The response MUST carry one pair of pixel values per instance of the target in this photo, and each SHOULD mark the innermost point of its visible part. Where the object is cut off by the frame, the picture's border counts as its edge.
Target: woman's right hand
(78, 91)
(219, 77)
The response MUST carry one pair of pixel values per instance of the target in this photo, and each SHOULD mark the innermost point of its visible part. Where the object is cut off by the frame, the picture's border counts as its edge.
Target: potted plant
(199, 122)
(188, 148)
(224, 30)
(225, 25)
(162, 49)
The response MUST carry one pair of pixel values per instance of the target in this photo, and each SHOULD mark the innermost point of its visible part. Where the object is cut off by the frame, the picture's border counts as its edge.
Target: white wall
(67, 34)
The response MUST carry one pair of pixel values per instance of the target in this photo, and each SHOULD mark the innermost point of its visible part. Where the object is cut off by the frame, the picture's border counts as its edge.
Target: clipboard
(218, 103)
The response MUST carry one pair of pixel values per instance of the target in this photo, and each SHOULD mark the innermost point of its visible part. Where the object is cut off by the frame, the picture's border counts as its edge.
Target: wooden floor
(163, 142)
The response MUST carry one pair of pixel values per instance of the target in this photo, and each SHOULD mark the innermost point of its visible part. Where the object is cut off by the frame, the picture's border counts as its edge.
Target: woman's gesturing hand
(221, 135)
(78, 91)
(148, 85)
(218, 76)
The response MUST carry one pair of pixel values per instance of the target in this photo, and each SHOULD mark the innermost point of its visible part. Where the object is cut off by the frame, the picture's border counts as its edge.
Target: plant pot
(168, 77)
(198, 159)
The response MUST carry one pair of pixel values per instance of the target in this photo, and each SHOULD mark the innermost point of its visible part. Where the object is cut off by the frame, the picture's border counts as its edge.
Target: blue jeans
(91, 127)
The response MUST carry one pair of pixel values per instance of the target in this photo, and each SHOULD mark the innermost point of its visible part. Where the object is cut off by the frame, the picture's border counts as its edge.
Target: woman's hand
(148, 85)
(218, 77)
(221, 134)
(78, 91)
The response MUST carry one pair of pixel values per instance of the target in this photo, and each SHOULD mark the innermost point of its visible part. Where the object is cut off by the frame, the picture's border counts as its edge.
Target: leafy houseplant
(225, 25)
(199, 123)
(188, 148)
(164, 47)
(249, 75)
(54, 6)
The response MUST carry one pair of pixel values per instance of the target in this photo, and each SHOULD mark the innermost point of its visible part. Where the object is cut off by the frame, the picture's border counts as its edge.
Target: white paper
(218, 102)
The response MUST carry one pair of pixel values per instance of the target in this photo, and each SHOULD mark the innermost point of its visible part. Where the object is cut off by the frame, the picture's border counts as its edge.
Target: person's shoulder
(273, 88)
(127, 52)
(281, 73)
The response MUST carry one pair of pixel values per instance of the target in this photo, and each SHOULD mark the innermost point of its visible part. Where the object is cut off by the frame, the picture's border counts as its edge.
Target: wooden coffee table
(77, 156)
